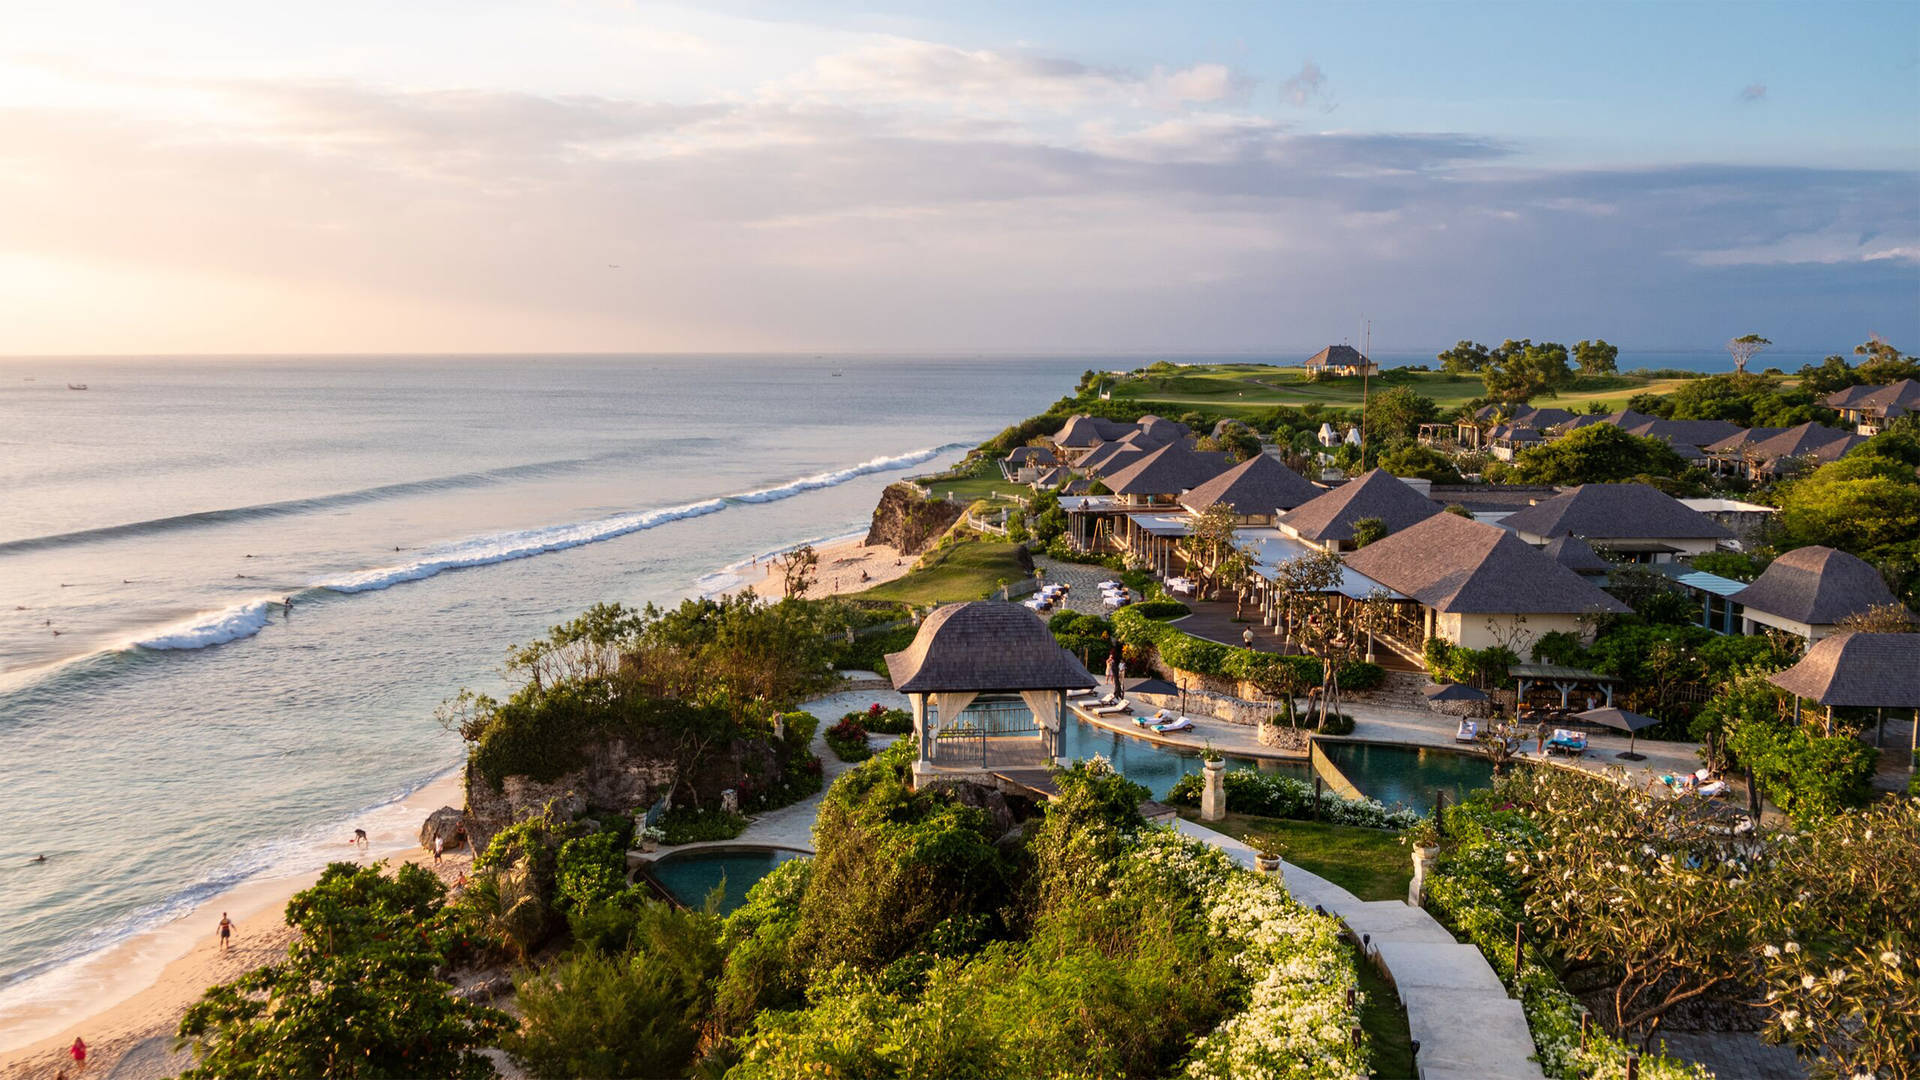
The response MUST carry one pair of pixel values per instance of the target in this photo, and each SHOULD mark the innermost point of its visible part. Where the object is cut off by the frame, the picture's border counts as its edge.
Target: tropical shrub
(638, 1013)
(1809, 775)
(1161, 609)
(1250, 791)
(879, 720)
(1336, 724)
(692, 824)
(1360, 675)
(591, 869)
(848, 740)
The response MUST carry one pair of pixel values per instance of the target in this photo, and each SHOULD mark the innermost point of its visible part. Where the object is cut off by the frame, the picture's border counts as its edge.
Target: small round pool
(689, 876)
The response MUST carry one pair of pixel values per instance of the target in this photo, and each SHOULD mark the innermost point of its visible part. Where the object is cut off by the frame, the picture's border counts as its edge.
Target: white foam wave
(521, 544)
(841, 476)
(218, 628)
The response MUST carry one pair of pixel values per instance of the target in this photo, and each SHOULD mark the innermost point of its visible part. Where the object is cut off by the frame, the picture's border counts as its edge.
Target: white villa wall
(1517, 632)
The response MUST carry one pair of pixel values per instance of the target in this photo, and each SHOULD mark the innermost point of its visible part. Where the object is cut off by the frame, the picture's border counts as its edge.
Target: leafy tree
(1210, 550)
(639, 1013)
(1880, 619)
(1810, 775)
(1397, 413)
(1424, 462)
(590, 870)
(1744, 348)
(1368, 530)
(1521, 370)
(798, 569)
(1595, 454)
(1596, 357)
(1883, 363)
(1830, 375)
(1743, 399)
(358, 995)
(1465, 358)
(1854, 504)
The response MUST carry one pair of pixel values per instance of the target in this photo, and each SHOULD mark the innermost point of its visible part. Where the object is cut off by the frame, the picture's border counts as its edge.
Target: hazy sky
(239, 176)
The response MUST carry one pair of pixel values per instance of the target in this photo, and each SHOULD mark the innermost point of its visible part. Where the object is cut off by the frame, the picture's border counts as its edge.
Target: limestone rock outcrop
(909, 523)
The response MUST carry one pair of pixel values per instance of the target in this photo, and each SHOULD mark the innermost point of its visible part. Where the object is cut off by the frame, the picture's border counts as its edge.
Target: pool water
(1408, 774)
(1155, 766)
(690, 876)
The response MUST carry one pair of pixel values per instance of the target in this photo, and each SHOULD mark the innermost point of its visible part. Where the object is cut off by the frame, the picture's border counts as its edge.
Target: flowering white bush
(1299, 1018)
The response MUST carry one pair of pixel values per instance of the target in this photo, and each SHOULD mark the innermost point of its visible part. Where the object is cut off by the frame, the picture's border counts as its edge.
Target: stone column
(1213, 795)
(1422, 860)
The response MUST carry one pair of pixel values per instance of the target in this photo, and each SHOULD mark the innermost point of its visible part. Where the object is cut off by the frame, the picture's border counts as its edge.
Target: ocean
(169, 731)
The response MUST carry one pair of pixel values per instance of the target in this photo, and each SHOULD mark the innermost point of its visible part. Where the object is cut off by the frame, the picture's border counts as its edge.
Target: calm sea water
(168, 731)
(180, 733)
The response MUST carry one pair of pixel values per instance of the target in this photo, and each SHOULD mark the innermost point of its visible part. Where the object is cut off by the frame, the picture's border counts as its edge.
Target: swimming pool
(689, 876)
(1153, 765)
(1409, 774)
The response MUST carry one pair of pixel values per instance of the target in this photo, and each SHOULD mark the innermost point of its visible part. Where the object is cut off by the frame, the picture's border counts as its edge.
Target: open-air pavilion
(1564, 679)
(1858, 671)
(988, 685)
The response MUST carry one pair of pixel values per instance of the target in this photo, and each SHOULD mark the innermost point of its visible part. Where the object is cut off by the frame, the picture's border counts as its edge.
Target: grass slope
(1371, 864)
(968, 570)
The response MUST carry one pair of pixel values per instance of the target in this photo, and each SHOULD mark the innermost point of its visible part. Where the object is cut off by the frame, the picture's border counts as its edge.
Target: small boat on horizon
(76, 386)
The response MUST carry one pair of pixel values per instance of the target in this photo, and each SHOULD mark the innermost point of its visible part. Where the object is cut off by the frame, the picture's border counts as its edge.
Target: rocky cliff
(908, 523)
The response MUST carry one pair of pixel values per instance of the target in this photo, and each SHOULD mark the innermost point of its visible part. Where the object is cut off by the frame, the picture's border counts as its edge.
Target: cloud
(1308, 87)
(1080, 207)
(1753, 92)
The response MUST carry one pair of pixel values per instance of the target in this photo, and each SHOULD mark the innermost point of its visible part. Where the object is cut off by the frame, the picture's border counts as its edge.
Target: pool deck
(1457, 1009)
(1404, 727)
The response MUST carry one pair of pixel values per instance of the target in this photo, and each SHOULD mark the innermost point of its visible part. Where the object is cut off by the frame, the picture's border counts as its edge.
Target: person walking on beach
(226, 932)
(79, 1052)
(360, 840)
(438, 844)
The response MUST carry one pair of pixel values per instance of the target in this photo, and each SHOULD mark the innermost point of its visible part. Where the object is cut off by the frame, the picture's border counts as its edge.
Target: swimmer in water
(39, 858)
(289, 605)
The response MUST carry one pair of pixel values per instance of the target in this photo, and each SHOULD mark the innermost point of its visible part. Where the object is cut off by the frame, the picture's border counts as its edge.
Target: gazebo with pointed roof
(1809, 590)
(988, 685)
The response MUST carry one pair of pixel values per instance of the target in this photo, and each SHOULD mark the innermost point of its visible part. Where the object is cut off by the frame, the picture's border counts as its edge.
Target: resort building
(1477, 586)
(1147, 490)
(1326, 521)
(1340, 360)
(1807, 591)
(988, 685)
(1630, 521)
(1768, 453)
(1258, 489)
(1869, 408)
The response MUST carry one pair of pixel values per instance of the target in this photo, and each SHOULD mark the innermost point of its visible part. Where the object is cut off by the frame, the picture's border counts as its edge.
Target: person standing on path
(226, 932)
(1246, 636)
(79, 1053)
(438, 844)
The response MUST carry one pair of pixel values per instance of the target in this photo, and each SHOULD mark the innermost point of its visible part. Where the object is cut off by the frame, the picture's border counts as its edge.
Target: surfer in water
(288, 604)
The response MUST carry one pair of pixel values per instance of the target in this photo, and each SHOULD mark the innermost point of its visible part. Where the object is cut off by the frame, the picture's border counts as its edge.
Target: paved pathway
(1085, 579)
(1457, 1009)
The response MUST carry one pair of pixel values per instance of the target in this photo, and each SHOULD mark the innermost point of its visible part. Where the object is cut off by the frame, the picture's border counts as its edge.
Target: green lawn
(1385, 1021)
(983, 482)
(1372, 864)
(969, 570)
(1245, 389)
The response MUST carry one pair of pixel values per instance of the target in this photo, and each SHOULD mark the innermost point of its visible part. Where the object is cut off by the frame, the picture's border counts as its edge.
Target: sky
(227, 176)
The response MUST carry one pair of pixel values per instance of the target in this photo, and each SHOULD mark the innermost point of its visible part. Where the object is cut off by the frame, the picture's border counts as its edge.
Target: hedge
(1276, 796)
(1162, 609)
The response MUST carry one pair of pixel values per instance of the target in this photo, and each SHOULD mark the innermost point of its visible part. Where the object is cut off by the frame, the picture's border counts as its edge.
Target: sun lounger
(1079, 693)
(1110, 710)
(1712, 788)
(1566, 742)
(1160, 716)
(1179, 724)
(1467, 731)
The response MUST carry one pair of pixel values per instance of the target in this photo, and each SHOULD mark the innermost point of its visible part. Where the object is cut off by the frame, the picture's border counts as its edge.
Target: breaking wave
(218, 628)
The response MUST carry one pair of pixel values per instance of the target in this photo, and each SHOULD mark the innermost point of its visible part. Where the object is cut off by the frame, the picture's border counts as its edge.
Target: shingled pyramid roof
(1258, 485)
(1170, 470)
(1616, 512)
(1378, 494)
(1452, 564)
(1817, 586)
(1857, 670)
(1576, 555)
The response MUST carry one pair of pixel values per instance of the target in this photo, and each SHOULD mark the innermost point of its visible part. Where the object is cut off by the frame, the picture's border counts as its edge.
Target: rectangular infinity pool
(1151, 764)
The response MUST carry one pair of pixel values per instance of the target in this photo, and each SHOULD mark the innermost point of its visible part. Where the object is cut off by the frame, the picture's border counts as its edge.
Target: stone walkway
(1457, 1009)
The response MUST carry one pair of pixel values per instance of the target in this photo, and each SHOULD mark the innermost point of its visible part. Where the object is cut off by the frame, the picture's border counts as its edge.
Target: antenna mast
(1366, 370)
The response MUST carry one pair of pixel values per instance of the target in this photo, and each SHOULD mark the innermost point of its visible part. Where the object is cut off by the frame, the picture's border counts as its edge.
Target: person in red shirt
(79, 1052)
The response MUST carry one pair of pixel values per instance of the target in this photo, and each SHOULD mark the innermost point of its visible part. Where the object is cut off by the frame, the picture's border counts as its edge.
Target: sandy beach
(134, 1017)
(841, 565)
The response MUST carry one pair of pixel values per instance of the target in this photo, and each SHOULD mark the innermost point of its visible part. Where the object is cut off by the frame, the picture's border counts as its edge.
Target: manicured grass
(1372, 864)
(1245, 389)
(968, 570)
(1384, 1019)
(982, 482)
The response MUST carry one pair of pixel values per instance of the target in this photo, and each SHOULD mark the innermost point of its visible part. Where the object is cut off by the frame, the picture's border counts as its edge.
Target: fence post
(1516, 957)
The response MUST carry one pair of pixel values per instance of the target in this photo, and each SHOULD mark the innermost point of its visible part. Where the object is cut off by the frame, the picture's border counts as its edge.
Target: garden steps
(1468, 1028)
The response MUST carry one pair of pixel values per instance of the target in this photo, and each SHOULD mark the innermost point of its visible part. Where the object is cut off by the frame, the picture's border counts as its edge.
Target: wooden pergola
(1561, 678)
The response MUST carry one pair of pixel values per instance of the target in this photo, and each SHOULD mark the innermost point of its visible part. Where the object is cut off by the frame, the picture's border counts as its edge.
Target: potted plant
(652, 837)
(1265, 857)
(1424, 835)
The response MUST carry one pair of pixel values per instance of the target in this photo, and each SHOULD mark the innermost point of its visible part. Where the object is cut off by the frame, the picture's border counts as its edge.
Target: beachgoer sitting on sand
(226, 932)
